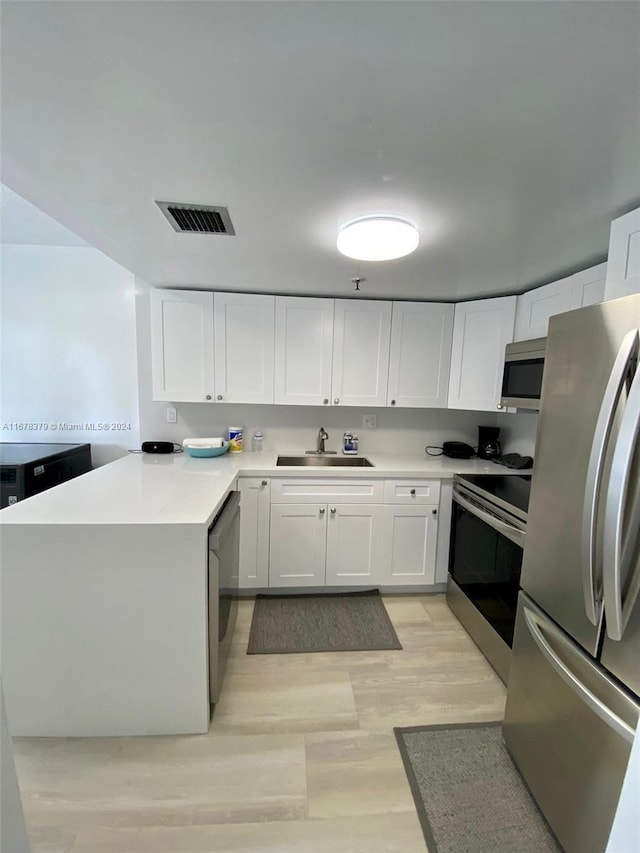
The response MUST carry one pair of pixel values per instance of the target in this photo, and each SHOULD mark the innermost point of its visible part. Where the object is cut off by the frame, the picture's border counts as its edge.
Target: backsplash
(518, 432)
(295, 428)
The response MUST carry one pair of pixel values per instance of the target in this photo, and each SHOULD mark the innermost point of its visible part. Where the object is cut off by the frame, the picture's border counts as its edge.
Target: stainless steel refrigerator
(574, 682)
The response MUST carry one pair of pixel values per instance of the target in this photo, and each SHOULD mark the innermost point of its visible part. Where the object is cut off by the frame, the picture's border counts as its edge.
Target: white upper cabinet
(361, 336)
(182, 345)
(536, 306)
(623, 265)
(587, 287)
(575, 291)
(303, 350)
(421, 334)
(244, 347)
(481, 331)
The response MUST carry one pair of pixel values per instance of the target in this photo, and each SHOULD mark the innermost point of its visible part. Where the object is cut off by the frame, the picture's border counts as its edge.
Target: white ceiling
(507, 131)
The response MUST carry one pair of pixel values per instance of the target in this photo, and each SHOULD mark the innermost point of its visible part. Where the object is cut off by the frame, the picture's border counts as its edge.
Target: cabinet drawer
(411, 491)
(299, 490)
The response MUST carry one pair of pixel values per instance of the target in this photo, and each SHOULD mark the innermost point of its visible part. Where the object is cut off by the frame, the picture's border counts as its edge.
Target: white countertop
(179, 489)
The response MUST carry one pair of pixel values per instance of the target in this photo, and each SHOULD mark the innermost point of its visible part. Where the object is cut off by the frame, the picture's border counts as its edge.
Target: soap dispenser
(349, 444)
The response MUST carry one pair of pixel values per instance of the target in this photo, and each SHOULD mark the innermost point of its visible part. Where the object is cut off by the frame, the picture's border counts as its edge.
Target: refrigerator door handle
(508, 530)
(619, 555)
(591, 700)
(626, 354)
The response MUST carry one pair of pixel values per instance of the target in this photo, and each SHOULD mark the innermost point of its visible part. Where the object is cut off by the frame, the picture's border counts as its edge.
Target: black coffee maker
(488, 444)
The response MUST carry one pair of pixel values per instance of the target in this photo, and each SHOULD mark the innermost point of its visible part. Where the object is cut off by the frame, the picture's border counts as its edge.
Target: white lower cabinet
(255, 508)
(298, 544)
(410, 532)
(410, 536)
(325, 544)
(354, 544)
(358, 532)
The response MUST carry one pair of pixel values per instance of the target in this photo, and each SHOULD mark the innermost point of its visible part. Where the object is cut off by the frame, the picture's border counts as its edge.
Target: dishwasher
(223, 580)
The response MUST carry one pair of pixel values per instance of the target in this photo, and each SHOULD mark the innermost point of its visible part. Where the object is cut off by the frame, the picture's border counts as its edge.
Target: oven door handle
(508, 530)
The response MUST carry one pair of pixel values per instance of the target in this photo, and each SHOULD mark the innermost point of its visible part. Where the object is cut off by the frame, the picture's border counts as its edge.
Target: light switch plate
(369, 421)
(172, 415)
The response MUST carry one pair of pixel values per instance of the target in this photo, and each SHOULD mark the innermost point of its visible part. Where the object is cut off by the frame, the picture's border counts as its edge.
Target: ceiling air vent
(197, 218)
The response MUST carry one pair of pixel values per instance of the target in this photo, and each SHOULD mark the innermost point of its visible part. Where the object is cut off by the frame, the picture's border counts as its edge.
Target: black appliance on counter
(488, 524)
(488, 444)
(27, 469)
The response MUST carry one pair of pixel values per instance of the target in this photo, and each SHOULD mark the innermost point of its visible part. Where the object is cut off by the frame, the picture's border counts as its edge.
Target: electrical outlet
(172, 415)
(369, 421)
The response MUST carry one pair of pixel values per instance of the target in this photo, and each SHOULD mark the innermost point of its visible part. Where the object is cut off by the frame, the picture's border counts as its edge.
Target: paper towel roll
(203, 442)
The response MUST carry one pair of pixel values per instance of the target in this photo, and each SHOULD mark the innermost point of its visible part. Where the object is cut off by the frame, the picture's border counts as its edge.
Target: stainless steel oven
(488, 529)
(224, 547)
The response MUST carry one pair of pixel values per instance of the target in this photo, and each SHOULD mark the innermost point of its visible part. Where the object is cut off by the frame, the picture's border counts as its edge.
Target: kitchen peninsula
(104, 588)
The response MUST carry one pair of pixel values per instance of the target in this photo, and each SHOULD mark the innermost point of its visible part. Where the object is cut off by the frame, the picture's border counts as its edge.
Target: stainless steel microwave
(522, 376)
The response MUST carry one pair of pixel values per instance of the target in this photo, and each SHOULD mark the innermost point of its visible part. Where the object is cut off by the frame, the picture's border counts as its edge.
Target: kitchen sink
(326, 461)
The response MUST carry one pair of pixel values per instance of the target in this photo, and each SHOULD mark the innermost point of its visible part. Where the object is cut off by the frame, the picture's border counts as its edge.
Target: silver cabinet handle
(628, 351)
(325, 401)
(265, 482)
(322, 510)
(219, 397)
(500, 526)
(333, 510)
(208, 397)
(412, 492)
(618, 556)
(336, 400)
(499, 406)
(590, 699)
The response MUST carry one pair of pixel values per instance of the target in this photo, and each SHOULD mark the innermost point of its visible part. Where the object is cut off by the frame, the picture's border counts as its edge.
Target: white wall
(68, 349)
(295, 428)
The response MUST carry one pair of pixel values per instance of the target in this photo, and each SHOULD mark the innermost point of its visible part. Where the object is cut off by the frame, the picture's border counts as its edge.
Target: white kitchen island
(104, 590)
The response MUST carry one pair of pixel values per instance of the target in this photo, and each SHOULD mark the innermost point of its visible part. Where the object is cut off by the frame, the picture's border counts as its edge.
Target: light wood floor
(300, 757)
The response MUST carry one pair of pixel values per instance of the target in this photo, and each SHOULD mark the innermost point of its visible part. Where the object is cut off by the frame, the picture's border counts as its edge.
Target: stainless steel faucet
(323, 435)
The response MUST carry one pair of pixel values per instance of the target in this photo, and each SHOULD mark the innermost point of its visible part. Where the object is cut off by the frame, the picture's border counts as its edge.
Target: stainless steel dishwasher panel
(224, 548)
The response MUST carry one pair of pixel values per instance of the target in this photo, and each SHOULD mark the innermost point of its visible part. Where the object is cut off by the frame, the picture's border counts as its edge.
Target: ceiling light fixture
(378, 238)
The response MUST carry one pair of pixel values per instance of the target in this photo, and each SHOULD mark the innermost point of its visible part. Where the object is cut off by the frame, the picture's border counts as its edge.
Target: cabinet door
(298, 544)
(354, 542)
(361, 333)
(536, 306)
(420, 355)
(303, 350)
(255, 505)
(182, 345)
(244, 340)
(623, 264)
(576, 291)
(409, 544)
(481, 331)
(588, 286)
